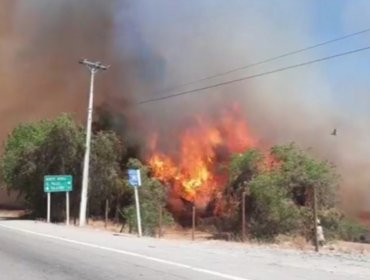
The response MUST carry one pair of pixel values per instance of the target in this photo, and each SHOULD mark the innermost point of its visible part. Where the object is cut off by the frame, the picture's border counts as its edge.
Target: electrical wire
(264, 61)
(202, 89)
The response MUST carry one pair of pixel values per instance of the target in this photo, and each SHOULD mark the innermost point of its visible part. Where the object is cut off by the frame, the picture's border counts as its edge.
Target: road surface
(37, 251)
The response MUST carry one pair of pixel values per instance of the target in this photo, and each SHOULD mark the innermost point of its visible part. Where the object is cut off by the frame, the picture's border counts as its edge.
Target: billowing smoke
(154, 45)
(41, 43)
(40, 46)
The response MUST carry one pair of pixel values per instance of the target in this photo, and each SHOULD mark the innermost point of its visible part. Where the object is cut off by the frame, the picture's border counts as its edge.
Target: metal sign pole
(67, 208)
(48, 209)
(134, 179)
(138, 211)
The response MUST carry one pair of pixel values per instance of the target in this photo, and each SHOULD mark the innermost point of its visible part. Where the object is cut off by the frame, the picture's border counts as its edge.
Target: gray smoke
(154, 45)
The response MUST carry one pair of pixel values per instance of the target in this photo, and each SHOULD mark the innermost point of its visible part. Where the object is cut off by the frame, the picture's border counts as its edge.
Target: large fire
(196, 170)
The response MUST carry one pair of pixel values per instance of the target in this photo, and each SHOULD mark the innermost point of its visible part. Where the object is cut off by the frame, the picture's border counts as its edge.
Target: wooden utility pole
(243, 217)
(316, 241)
(193, 225)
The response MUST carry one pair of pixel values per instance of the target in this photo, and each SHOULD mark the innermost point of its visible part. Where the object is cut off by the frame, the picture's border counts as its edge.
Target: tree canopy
(56, 147)
(279, 190)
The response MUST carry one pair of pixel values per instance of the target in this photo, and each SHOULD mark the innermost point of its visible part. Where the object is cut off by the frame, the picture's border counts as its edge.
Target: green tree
(244, 166)
(272, 210)
(107, 181)
(36, 149)
(55, 147)
(279, 195)
(301, 172)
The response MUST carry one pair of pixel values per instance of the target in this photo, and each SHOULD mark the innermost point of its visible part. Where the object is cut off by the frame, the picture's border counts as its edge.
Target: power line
(264, 61)
(253, 76)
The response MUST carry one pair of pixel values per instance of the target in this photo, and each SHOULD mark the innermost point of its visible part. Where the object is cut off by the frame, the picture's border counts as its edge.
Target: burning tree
(216, 159)
(195, 171)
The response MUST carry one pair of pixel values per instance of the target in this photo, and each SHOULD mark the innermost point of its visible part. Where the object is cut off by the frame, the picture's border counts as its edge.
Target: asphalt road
(35, 251)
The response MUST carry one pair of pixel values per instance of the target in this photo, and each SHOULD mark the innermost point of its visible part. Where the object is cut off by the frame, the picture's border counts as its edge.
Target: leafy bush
(248, 162)
(337, 226)
(350, 230)
(280, 190)
(331, 222)
(273, 212)
(152, 196)
(300, 172)
(149, 217)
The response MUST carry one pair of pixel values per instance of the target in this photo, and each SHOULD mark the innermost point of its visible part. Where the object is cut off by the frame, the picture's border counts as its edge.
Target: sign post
(48, 209)
(134, 179)
(59, 183)
(67, 208)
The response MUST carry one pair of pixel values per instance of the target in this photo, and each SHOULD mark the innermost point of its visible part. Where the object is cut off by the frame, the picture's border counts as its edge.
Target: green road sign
(62, 183)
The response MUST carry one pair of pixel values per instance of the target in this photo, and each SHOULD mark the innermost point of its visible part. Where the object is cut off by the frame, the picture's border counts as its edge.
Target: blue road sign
(134, 177)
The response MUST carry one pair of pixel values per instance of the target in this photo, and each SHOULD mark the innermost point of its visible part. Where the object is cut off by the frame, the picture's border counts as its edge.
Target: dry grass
(281, 242)
(100, 224)
(173, 232)
(293, 242)
(348, 247)
(180, 233)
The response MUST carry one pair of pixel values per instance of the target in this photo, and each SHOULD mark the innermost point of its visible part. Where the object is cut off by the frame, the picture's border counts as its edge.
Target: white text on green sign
(58, 183)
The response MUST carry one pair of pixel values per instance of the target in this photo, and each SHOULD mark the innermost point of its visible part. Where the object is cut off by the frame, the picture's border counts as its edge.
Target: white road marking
(127, 253)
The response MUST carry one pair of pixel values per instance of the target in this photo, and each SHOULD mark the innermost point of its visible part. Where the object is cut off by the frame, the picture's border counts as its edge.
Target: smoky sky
(155, 45)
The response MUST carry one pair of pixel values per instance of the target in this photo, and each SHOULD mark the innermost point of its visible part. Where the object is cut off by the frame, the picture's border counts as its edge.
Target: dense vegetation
(278, 184)
(279, 193)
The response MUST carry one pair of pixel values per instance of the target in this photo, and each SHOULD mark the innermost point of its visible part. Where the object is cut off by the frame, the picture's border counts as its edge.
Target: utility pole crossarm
(96, 66)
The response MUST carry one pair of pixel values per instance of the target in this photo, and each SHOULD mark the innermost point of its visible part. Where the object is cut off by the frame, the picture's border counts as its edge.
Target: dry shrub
(296, 241)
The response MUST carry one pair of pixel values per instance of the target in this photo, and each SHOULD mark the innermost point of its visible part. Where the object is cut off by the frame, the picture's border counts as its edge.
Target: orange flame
(194, 171)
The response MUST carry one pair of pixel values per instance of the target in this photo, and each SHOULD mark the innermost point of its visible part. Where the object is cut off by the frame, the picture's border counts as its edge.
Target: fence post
(315, 219)
(243, 216)
(160, 221)
(193, 225)
(106, 213)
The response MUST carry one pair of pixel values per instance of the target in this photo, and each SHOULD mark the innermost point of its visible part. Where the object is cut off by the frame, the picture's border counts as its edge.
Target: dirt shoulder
(283, 243)
(12, 214)
(179, 234)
